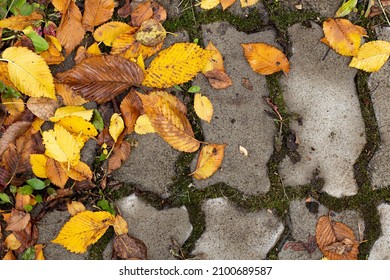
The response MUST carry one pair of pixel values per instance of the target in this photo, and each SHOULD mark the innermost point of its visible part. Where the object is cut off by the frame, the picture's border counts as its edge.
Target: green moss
(97, 249)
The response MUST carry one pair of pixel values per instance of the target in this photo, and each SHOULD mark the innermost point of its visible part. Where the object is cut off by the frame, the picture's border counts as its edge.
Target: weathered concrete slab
(381, 248)
(239, 118)
(322, 91)
(379, 84)
(325, 8)
(155, 228)
(49, 227)
(303, 229)
(234, 234)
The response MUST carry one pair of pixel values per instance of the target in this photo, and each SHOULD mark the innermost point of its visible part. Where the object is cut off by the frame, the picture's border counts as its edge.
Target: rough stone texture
(234, 234)
(244, 12)
(303, 223)
(322, 91)
(381, 248)
(326, 8)
(379, 84)
(49, 227)
(239, 117)
(155, 228)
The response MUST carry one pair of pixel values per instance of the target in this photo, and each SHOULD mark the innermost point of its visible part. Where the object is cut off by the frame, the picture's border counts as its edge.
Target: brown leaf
(102, 78)
(70, 32)
(127, 248)
(125, 10)
(18, 221)
(218, 79)
(336, 240)
(97, 12)
(55, 173)
(130, 108)
(120, 153)
(28, 237)
(246, 83)
(69, 97)
(141, 13)
(42, 107)
(159, 13)
(24, 41)
(13, 132)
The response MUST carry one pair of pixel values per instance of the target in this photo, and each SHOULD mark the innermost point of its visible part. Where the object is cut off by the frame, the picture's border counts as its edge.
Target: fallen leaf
(69, 97)
(227, 3)
(343, 36)
(120, 153)
(39, 252)
(75, 207)
(38, 165)
(42, 107)
(94, 49)
(203, 107)
(28, 237)
(72, 111)
(246, 83)
(12, 243)
(79, 172)
(78, 126)
(209, 4)
(159, 13)
(56, 173)
(84, 229)
(129, 248)
(116, 127)
(97, 12)
(170, 123)
(13, 132)
(346, 8)
(248, 3)
(243, 151)
(20, 22)
(209, 160)
(371, 56)
(173, 100)
(143, 125)
(29, 72)
(120, 225)
(176, 65)
(336, 240)
(215, 62)
(14, 106)
(53, 54)
(9, 256)
(130, 109)
(102, 78)
(151, 33)
(125, 10)
(4, 75)
(218, 79)
(18, 220)
(265, 59)
(108, 32)
(141, 13)
(61, 5)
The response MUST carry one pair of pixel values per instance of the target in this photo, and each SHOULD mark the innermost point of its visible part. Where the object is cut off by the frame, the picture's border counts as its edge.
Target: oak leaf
(203, 107)
(265, 59)
(151, 33)
(117, 125)
(97, 12)
(130, 109)
(75, 207)
(371, 56)
(170, 123)
(42, 107)
(20, 22)
(102, 78)
(343, 36)
(56, 173)
(108, 32)
(29, 72)
(209, 161)
(176, 65)
(84, 229)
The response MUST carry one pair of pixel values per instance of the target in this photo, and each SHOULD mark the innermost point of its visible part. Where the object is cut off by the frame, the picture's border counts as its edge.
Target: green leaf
(196, 41)
(178, 87)
(15, 5)
(36, 183)
(26, 9)
(51, 192)
(4, 197)
(346, 8)
(38, 198)
(28, 208)
(40, 44)
(13, 189)
(26, 189)
(97, 120)
(29, 254)
(106, 206)
(194, 89)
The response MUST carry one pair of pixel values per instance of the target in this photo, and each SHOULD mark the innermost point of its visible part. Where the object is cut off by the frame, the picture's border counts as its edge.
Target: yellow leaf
(371, 56)
(120, 225)
(209, 4)
(107, 32)
(36, 125)
(247, 3)
(19, 22)
(151, 33)
(216, 60)
(53, 40)
(61, 5)
(176, 65)
(97, 12)
(117, 126)
(11, 242)
(343, 36)
(203, 107)
(14, 106)
(61, 145)
(29, 72)
(56, 173)
(78, 125)
(69, 97)
(39, 252)
(9, 256)
(53, 54)
(4, 76)
(209, 160)
(94, 49)
(79, 172)
(265, 59)
(75, 207)
(84, 229)
(38, 165)
(169, 122)
(69, 111)
(143, 125)
(227, 3)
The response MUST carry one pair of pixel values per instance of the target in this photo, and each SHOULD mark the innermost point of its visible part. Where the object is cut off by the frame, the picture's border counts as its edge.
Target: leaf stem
(8, 38)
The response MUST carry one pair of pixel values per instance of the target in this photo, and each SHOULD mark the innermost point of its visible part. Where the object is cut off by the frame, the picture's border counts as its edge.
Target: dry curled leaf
(13, 132)
(18, 220)
(130, 109)
(42, 107)
(151, 33)
(218, 79)
(129, 248)
(120, 153)
(209, 160)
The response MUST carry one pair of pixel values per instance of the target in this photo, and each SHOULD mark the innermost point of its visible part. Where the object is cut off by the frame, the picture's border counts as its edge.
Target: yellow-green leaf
(38, 165)
(203, 107)
(117, 125)
(209, 160)
(29, 72)
(176, 65)
(371, 56)
(346, 8)
(84, 229)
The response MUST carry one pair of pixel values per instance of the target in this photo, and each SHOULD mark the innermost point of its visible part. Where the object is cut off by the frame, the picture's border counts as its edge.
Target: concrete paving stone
(244, 12)
(239, 118)
(48, 228)
(303, 224)
(234, 234)
(320, 88)
(379, 84)
(326, 8)
(155, 228)
(381, 248)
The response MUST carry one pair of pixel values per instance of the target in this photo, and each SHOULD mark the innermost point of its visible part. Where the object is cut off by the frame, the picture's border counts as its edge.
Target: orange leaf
(61, 5)
(120, 225)
(265, 59)
(39, 252)
(215, 62)
(21, 201)
(141, 13)
(79, 172)
(97, 12)
(218, 79)
(56, 173)
(4, 75)
(75, 207)
(209, 160)
(120, 154)
(130, 108)
(19, 22)
(18, 220)
(69, 97)
(226, 3)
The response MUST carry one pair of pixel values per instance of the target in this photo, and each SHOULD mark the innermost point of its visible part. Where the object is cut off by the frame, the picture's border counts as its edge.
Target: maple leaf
(265, 59)
(108, 32)
(176, 65)
(102, 78)
(343, 36)
(97, 12)
(169, 122)
(20, 22)
(29, 72)
(203, 107)
(130, 109)
(116, 127)
(209, 160)
(84, 229)
(371, 56)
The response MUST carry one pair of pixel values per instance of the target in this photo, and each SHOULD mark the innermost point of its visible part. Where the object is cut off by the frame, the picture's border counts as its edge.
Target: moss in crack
(97, 249)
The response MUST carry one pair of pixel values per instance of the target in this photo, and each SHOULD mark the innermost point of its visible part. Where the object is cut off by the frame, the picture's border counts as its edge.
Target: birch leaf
(203, 107)
(56, 173)
(209, 160)
(143, 125)
(371, 56)
(108, 32)
(117, 126)
(84, 229)
(29, 72)
(38, 165)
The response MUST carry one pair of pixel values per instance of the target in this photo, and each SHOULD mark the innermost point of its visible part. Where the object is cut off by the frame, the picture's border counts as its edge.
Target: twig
(384, 12)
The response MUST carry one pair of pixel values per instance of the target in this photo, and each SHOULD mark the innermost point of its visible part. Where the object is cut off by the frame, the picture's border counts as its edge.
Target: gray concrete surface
(380, 250)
